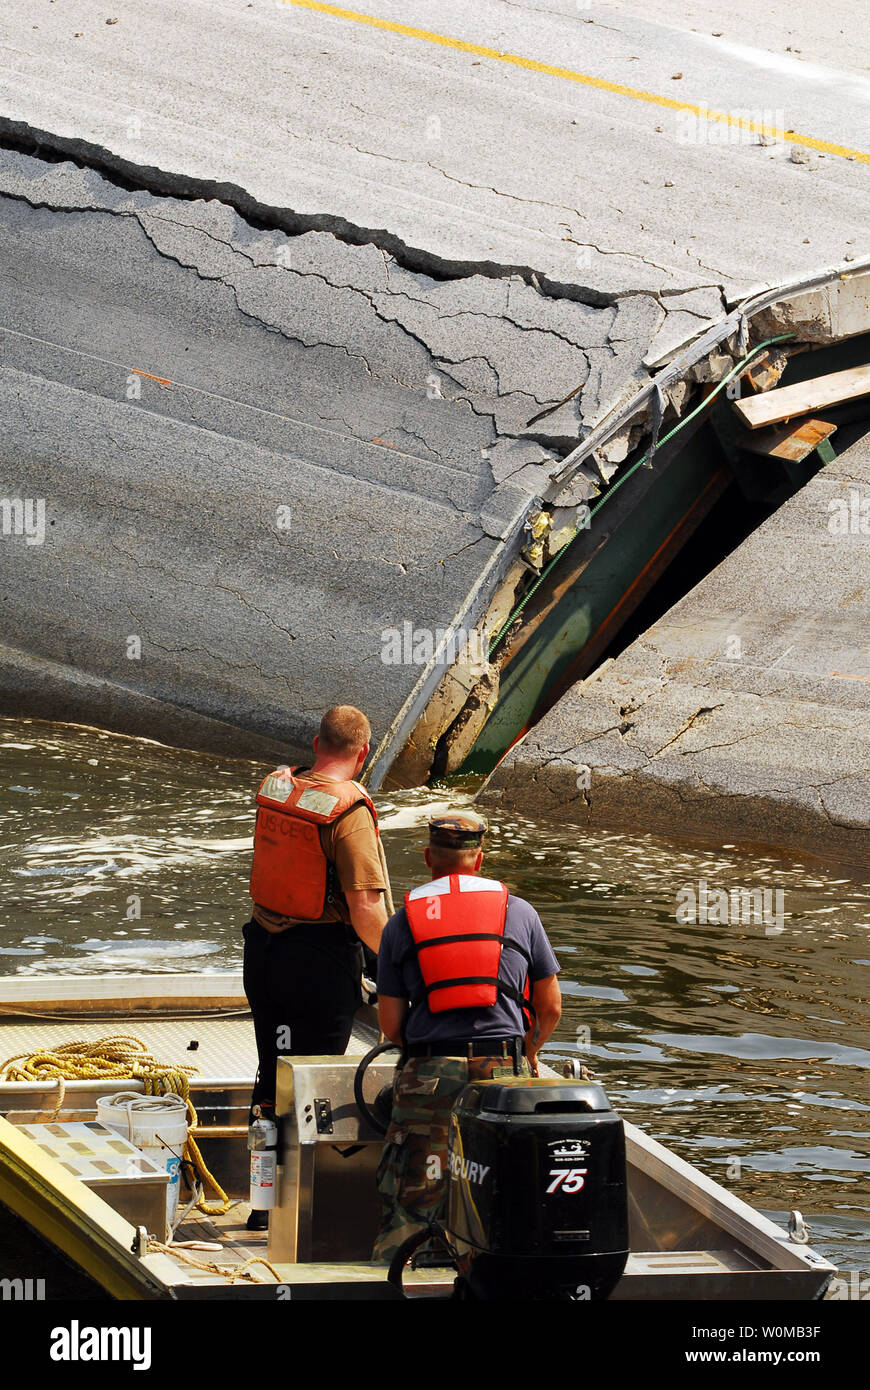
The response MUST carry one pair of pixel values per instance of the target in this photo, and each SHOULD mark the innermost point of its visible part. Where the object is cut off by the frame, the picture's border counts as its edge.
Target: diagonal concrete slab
(743, 713)
(258, 453)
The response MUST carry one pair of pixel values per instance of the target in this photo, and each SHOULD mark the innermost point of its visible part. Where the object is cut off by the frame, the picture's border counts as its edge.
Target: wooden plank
(804, 396)
(793, 443)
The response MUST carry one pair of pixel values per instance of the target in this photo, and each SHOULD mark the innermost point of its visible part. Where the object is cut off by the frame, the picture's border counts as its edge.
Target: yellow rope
(74, 1061)
(125, 1058)
(181, 1085)
(228, 1272)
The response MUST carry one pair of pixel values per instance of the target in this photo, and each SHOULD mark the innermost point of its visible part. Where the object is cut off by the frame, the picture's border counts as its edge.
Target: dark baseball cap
(458, 831)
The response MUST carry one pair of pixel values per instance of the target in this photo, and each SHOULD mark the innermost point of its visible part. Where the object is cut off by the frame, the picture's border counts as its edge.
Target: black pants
(303, 986)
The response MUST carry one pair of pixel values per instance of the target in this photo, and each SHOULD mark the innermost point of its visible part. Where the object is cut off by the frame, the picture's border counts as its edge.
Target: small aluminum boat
(689, 1237)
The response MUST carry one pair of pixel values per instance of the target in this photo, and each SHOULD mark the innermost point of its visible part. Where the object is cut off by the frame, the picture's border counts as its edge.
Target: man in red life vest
(317, 883)
(457, 967)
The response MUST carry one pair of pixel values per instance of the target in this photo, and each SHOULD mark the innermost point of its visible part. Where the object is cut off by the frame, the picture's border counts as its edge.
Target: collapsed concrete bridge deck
(277, 409)
(259, 453)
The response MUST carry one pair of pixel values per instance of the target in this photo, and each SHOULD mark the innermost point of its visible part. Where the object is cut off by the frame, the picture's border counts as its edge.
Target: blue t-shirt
(399, 977)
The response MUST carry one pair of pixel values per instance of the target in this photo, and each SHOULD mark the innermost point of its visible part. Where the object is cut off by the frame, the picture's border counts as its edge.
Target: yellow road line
(164, 381)
(791, 137)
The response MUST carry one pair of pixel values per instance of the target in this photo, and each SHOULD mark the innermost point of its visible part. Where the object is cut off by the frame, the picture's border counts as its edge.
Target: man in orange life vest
(456, 969)
(317, 883)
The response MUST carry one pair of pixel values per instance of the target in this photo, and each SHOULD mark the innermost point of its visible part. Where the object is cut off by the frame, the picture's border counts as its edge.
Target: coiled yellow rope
(125, 1058)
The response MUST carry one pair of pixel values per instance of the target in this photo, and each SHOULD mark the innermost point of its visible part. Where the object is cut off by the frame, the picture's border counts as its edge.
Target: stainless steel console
(327, 1206)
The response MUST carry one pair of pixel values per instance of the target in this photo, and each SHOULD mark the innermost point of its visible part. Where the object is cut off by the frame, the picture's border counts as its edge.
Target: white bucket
(155, 1124)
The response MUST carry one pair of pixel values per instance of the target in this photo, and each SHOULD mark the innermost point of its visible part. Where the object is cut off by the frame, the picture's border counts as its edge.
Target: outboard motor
(537, 1192)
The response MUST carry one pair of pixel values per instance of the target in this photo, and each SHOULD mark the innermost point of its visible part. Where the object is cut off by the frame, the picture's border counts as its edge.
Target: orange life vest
(290, 873)
(457, 926)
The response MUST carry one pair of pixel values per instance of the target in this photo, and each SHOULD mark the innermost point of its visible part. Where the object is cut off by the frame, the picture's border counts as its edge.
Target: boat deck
(686, 1269)
(229, 1232)
(216, 1047)
(690, 1238)
(219, 1047)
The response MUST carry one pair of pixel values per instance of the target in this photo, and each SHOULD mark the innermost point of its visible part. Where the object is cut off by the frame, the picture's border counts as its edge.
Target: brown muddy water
(742, 1044)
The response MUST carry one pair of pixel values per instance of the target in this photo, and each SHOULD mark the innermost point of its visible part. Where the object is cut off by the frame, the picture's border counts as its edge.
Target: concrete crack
(26, 139)
(514, 197)
(705, 709)
(248, 313)
(632, 256)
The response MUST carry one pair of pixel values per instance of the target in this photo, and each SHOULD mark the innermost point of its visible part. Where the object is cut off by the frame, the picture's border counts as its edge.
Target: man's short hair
(453, 861)
(344, 729)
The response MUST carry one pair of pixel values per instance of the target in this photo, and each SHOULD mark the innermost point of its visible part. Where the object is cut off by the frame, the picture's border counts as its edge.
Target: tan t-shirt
(351, 845)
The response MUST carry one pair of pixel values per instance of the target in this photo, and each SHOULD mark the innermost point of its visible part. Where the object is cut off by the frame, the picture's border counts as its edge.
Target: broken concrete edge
(463, 699)
(42, 144)
(808, 313)
(737, 322)
(689, 822)
(467, 618)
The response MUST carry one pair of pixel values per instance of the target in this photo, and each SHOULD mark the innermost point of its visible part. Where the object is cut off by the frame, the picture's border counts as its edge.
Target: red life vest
(290, 873)
(457, 926)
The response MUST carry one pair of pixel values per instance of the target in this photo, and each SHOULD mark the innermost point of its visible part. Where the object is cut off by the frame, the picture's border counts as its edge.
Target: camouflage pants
(412, 1174)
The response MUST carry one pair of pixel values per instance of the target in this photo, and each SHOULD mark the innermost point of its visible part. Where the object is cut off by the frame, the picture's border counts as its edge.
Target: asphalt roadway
(560, 136)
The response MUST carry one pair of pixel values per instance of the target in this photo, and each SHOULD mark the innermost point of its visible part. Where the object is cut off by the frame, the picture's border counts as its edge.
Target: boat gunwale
(76, 1219)
(157, 989)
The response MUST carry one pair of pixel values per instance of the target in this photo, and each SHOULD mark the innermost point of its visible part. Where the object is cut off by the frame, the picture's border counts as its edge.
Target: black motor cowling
(537, 1192)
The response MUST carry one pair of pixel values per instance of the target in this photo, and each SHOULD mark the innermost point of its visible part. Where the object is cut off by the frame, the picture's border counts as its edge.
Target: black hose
(434, 1231)
(402, 1256)
(364, 1109)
